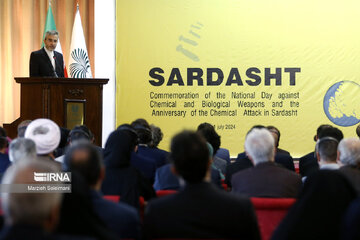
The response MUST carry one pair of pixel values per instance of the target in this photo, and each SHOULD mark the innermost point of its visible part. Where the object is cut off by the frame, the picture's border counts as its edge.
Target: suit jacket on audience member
(159, 157)
(40, 64)
(308, 164)
(166, 180)
(235, 167)
(267, 180)
(353, 175)
(283, 159)
(319, 211)
(120, 177)
(145, 165)
(120, 218)
(223, 153)
(201, 211)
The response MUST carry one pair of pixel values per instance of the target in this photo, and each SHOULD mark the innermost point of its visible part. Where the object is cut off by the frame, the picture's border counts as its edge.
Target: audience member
(351, 223)
(200, 210)
(243, 162)
(22, 128)
(308, 164)
(276, 134)
(349, 156)
(76, 134)
(157, 156)
(46, 135)
(122, 178)
(4, 157)
(29, 215)
(64, 135)
(223, 153)
(22, 149)
(122, 219)
(208, 132)
(319, 211)
(266, 179)
(326, 153)
(358, 130)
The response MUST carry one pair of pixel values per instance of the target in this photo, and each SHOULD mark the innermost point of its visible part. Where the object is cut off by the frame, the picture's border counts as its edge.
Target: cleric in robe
(46, 62)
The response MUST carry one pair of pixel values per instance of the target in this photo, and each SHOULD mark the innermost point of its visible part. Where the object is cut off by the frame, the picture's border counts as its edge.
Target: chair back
(270, 212)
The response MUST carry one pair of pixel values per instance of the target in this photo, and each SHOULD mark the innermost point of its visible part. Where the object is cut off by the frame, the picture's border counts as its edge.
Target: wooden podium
(66, 101)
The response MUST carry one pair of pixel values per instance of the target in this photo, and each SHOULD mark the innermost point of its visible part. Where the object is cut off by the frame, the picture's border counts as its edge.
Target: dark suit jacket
(120, 218)
(201, 211)
(353, 175)
(158, 156)
(166, 180)
(40, 64)
(145, 165)
(267, 180)
(242, 162)
(223, 153)
(308, 164)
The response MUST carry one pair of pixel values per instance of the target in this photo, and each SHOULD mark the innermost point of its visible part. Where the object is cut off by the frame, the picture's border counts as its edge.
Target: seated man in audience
(266, 179)
(308, 164)
(159, 157)
(46, 135)
(276, 134)
(242, 161)
(29, 215)
(208, 132)
(22, 149)
(326, 153)
(121, 218)
(4, 157)
(22, 128)
(200, 210)
(349, 156)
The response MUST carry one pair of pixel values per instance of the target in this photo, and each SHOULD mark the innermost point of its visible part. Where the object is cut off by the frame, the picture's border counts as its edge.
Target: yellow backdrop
(277, 62)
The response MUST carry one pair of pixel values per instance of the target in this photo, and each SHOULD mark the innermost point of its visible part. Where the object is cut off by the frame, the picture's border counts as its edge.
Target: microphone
(55, 74)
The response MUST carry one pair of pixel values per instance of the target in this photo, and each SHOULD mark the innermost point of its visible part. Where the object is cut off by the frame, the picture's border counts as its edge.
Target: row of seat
(269, 211)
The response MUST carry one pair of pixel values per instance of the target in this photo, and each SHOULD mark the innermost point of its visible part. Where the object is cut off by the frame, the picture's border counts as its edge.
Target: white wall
(105, 55)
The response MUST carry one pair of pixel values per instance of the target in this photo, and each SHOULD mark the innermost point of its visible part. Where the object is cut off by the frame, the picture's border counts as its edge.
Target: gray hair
(28, 208)
(21, 149)
(260, 145)
(349, 149)
(51, 32)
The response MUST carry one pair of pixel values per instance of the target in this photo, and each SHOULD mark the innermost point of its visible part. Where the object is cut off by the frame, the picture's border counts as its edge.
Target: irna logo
(52, 177)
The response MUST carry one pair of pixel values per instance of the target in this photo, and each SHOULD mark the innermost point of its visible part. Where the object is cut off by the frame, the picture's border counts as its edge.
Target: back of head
(144, 134)
(3, 143)
(77, 135)
(157, 135)
(331, 132)
(2, 132)
(275, 131)
(208, 132)
(84, 158)
(260, 145)
(85, 129)
(326, 147)
(28, 207)
(46, 135)
(140, 121)
(22, 149)
(190, 156)
(319, 209)
(349, 149)
(119, 146)
(22, 128)
(319, 130)
(358, 130)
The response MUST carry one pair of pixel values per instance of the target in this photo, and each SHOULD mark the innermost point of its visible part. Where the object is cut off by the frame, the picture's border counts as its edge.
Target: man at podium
(46, 62)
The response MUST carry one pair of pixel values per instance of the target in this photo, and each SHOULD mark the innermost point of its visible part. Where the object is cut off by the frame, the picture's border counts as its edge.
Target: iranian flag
(79, 62)
(50, 26)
